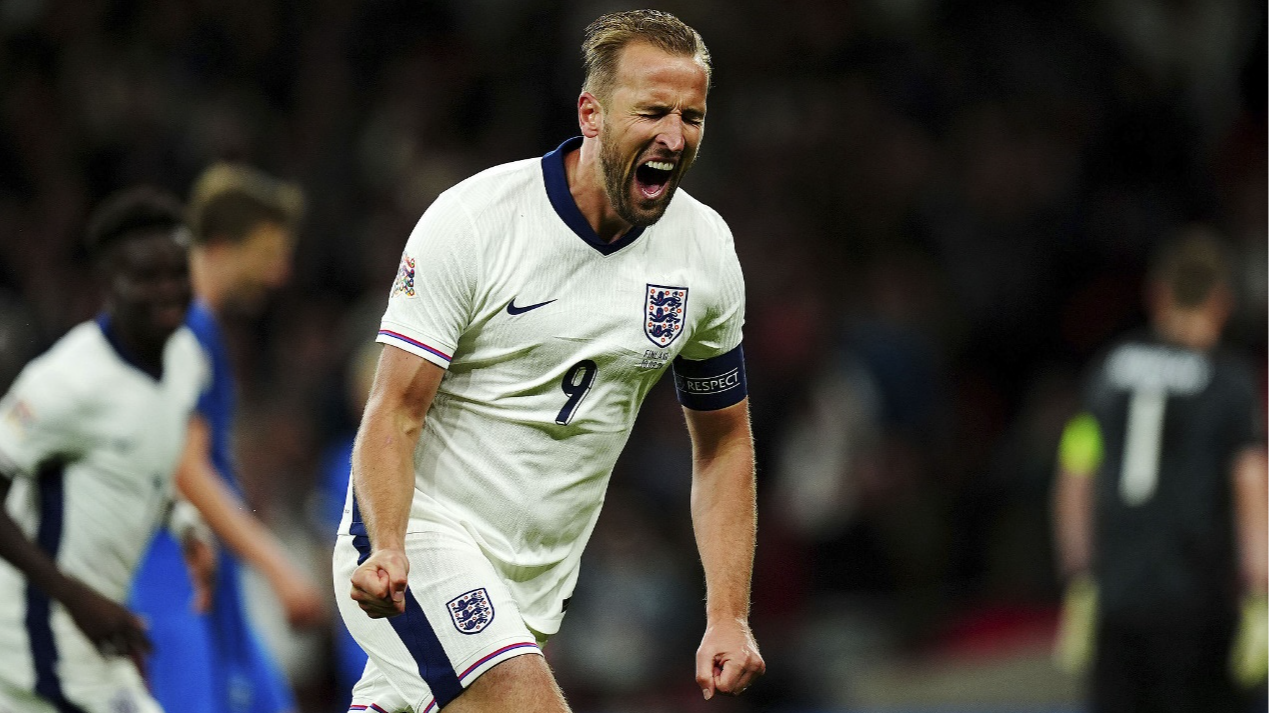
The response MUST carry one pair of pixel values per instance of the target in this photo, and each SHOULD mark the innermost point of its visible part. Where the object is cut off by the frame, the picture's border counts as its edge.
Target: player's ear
(590, 114)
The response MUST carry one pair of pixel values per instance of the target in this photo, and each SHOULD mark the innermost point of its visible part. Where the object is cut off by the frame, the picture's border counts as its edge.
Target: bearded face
(641, 183)
(653, 121)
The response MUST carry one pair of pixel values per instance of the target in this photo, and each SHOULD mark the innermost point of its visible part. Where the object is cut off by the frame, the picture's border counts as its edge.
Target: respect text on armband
(708, 385)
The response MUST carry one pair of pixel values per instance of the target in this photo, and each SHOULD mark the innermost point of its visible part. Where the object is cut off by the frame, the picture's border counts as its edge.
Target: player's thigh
(460, 622)
(519, 685)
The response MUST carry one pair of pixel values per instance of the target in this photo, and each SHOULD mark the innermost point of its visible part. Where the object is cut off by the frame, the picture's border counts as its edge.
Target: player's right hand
(378, 585)
(1076, 636)
(114, 629)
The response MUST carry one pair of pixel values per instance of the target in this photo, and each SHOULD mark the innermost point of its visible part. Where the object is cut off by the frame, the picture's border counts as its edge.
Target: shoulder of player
(493, 187)
(200, 320)
(186, 345)
(698, 219)
(1235, 366)
(480, 205)
(76, 366)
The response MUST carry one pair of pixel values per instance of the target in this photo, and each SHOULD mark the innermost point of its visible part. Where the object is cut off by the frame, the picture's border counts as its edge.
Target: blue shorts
(208, 663)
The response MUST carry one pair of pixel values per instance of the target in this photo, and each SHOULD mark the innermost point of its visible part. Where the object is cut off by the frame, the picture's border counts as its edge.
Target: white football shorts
(459, 622)
(106, 685)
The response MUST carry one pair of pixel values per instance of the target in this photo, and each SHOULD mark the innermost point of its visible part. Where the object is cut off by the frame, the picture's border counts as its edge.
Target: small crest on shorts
(471, 612)
(404, 284)
(663, 311)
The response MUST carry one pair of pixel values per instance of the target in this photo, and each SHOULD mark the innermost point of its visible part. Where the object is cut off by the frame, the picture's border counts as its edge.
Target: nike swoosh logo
(512, 309)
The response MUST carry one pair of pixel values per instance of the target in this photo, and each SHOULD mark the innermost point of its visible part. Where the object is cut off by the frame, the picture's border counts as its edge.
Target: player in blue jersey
(242, 222)
(535, 306)
(90, 436)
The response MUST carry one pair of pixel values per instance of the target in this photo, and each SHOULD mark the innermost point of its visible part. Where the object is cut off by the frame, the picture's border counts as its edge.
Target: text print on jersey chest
(1137, 367)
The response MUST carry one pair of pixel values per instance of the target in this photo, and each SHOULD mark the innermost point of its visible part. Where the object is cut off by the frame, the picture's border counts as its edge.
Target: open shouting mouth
(653, 176)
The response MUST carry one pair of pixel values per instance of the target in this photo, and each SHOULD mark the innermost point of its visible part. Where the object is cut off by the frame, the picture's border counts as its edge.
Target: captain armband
(711, 384)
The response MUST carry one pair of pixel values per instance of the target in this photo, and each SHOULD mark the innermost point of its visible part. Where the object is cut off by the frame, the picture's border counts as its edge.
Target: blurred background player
(90, 436)
(243, 223)
(1161, 499)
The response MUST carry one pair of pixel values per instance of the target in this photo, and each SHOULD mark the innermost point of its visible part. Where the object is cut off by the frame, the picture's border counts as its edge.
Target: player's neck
(586, 184)
(211, 283)
(144, 353)
(1191, 329)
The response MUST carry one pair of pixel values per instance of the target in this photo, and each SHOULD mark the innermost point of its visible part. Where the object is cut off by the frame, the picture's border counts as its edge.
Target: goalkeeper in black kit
(1160, 506)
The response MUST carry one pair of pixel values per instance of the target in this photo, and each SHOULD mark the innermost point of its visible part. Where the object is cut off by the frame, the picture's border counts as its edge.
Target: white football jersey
(552, 339)
(94, 442)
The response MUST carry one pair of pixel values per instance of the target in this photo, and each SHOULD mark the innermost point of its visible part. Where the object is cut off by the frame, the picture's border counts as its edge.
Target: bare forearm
(18, 550)
(1251, 495)
(383, 479)
(724, 517)
(1073, 522)
(228, 518)
(383, 455)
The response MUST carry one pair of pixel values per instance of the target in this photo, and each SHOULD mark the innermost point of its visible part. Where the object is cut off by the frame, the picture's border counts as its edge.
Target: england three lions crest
(471, 612)
(663, 311)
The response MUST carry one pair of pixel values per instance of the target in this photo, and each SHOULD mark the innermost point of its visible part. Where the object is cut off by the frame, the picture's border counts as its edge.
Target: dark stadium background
(943, 208)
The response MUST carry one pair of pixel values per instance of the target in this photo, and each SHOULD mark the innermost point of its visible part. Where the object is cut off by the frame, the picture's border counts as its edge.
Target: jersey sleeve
(39, 421)
(431, 301)
(1244, 422)
(724, 316)
(709, 373)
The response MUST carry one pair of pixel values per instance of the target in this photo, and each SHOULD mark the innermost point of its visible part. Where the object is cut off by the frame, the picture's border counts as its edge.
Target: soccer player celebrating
(1160, 502)
(535, 306)
(90, 435)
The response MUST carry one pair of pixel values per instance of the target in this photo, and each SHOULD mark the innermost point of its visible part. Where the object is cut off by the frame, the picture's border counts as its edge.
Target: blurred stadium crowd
(943, 208)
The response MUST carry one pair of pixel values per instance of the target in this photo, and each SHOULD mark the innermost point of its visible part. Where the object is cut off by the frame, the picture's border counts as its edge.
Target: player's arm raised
(724, 517)
(383, 474)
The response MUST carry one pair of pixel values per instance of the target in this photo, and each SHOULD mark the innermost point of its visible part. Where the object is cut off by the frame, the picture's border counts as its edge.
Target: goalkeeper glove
(1073, 650)
(1249, 659)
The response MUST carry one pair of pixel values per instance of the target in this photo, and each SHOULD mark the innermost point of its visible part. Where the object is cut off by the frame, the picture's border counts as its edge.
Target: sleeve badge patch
(19, 415)
(404, 284)
(471, 612)
(663, 311)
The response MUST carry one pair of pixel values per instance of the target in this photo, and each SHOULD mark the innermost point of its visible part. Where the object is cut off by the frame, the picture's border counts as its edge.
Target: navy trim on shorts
(421, 641)
(711, 384)
(39, 608)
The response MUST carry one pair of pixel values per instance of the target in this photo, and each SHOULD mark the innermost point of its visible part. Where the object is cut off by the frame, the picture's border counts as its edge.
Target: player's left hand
(728, 660)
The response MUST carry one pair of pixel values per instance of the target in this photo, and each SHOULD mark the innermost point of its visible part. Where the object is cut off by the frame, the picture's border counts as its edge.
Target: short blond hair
(609, 34)
(229, 200)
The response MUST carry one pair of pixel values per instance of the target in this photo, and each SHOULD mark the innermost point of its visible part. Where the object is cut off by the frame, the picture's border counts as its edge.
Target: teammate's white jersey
(94, 442)
(551, 339)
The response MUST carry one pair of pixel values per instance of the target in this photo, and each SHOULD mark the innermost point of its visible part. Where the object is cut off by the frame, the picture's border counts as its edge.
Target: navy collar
(108, 331)
(565, 207)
